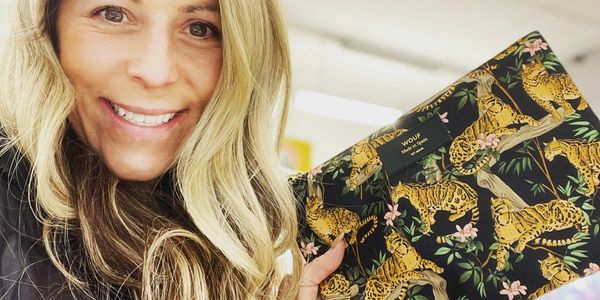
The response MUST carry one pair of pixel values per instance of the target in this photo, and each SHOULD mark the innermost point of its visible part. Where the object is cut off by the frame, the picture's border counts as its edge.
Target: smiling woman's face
(143, 72)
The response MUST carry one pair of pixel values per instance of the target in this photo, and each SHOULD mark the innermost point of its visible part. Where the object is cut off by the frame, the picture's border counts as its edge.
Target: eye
(202, 30)
(113, 14)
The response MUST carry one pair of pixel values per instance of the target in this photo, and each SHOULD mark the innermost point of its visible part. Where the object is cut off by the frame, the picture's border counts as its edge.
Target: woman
(145, 127)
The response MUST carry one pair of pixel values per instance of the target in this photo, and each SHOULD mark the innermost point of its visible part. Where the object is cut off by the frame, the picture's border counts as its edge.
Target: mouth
(141, 116)
(138, 124)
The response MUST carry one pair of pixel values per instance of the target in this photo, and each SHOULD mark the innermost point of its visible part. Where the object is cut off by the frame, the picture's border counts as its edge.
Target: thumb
(317, 270)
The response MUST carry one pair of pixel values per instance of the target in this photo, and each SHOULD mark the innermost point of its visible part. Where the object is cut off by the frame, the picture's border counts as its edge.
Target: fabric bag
(486, 190)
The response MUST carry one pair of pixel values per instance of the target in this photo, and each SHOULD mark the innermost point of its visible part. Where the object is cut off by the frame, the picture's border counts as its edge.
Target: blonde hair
(230, 213)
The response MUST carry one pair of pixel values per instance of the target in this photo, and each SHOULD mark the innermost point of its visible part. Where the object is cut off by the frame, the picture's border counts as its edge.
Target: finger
(317, 270)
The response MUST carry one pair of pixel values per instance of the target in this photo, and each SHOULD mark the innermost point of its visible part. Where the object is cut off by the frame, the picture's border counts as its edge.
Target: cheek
(88, 62)
(202, 72)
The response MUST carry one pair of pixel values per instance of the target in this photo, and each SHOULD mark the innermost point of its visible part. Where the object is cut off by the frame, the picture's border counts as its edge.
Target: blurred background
(378, 59)
(397, 53)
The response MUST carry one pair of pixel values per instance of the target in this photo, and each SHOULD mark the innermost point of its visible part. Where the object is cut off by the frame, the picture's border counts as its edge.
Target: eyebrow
(192, 8)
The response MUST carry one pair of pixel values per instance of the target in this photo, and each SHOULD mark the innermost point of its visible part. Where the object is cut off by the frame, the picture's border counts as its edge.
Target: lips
(143, 110)
(138, 132)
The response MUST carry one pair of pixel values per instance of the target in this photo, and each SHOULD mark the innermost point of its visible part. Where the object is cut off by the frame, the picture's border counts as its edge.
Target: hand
(321, 267)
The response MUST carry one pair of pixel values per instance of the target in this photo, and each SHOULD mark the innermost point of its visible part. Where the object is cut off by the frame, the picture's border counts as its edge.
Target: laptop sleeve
(486, 190)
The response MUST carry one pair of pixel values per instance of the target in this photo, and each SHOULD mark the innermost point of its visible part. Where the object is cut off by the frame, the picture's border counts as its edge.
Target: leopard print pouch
(486, 190)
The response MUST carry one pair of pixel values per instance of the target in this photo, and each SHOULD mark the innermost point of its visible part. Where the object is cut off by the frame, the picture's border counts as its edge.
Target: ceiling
(397, 53)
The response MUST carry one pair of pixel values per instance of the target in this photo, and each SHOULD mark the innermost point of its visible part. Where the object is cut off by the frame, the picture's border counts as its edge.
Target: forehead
(183, 6)
(187, 6)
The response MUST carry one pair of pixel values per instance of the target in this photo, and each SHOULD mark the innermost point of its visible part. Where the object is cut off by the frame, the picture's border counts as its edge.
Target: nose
(153, 65)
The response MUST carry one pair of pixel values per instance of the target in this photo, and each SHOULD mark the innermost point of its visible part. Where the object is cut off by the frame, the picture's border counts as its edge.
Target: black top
(26, 271)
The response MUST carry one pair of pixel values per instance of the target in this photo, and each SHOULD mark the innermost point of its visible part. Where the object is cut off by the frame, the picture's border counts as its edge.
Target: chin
(136, 172)
(136, 176)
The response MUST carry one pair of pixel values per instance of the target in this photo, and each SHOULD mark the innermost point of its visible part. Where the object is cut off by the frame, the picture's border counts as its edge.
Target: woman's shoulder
(14, 206)
(26, 271)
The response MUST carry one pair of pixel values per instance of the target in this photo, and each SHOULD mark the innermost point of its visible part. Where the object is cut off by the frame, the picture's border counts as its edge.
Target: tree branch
(429, 277)
(433, 166)
(527, 132)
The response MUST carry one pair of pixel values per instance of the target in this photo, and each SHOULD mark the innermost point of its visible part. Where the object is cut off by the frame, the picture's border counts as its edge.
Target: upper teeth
(143, 120)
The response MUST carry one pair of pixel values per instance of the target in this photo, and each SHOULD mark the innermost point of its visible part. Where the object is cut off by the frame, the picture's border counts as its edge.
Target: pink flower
(391, 215)
(492, 140)
(489, 141)
(308, 249)
(513, 290)
(534, 47)
(481, 141)
(312, 173)
(592, 269)
(444, 118)
(467, 232)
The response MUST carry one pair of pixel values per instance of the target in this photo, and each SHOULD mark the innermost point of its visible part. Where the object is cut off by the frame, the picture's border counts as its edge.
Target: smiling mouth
(143, 119)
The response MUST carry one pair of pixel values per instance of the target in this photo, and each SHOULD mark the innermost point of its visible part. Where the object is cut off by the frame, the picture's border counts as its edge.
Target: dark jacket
(26, 271)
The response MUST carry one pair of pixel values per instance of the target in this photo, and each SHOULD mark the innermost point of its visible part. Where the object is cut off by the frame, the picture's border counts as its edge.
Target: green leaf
(462, 93)
(479, 245)
(571, 264)
(581, 236)
(550, 65)
(571, 259)
(590, 133)
(465, 277)
(481, 288)
(442, 251)
(416, 289)
(462, 102)
(465, 265)
(580, 131)
(580, 123)
(487, 169)
(576, 245)
(587, 206)
(572, 117)
(476, 278)
(580, 253)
